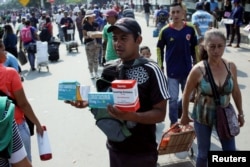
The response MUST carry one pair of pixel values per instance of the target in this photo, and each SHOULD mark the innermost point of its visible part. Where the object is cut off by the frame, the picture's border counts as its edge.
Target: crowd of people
(121, 38)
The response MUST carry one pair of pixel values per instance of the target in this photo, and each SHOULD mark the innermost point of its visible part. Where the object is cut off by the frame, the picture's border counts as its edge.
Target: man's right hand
(78, 104)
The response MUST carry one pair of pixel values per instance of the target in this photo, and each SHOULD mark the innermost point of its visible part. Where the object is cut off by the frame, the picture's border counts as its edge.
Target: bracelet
(241, 115)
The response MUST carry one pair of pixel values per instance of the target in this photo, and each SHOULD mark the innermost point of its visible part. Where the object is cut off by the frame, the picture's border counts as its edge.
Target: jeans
(203, 134)
(60, 32)
(147, 15)
(235, 31)
(173, 88)
(80, 35)
(31, 57)
(25, 135)
(228, 27)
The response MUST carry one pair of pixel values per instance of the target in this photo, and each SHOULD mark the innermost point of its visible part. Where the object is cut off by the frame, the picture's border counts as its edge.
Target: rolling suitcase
(53, 50)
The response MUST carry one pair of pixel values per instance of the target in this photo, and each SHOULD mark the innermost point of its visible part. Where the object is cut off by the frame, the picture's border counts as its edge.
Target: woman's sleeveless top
(204, 106)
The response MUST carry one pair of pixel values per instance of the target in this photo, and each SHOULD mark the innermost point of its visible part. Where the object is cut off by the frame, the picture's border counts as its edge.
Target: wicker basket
(176, 139)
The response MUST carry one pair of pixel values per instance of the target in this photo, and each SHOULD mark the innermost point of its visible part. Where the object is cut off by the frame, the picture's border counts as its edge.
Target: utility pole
(42, 3)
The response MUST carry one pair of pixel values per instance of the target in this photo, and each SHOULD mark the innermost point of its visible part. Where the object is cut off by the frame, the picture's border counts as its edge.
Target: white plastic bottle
(44, 145)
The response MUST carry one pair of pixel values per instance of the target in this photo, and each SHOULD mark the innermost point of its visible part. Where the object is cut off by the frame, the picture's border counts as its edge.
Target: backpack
(115, 130)
(6, 120)
(45, 35)
(162, 17)
(26, 34)
(30, 124)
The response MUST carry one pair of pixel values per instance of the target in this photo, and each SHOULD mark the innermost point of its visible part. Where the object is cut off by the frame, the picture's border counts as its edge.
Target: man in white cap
(59, 16)
(42, 20)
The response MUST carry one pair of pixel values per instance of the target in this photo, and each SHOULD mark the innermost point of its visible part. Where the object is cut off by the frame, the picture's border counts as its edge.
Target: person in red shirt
(11, 85)
(49, 25)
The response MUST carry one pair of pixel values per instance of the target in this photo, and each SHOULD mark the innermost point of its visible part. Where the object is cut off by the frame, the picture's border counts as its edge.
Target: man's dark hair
(48, 19)
(143, 48)
(135, 35)
(8, 29)
(27, 22)
(206, 6)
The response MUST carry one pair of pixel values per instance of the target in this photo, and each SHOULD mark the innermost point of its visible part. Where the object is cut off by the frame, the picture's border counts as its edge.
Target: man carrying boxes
(140, 148)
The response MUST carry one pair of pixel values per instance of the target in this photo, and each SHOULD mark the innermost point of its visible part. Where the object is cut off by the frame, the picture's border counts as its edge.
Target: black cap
(126, 24)
(199, 6)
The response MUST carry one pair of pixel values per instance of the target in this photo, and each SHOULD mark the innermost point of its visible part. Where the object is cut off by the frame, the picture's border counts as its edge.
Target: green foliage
(76, 1)
(14, 4)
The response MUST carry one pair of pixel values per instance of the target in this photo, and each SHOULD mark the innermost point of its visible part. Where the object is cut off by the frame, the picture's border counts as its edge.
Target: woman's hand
(116, 113)
(241, 121)
(185, 120)
(39, 129)
(78, 104)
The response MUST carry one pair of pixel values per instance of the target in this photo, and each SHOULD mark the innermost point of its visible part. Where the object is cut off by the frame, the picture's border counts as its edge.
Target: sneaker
(92, 75)
(237, 46)
(97, 75)
(229, 44)
(33, 69)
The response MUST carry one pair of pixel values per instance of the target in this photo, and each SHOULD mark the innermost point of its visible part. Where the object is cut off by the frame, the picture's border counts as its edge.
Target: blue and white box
(100, 99)
(67, 90)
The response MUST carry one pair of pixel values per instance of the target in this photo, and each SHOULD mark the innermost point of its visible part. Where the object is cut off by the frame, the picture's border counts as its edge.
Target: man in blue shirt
(161, 17)
(213, 5)
(179, 40)
(101, 23)
(237, 16)
(202, 20)
(11, 61)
